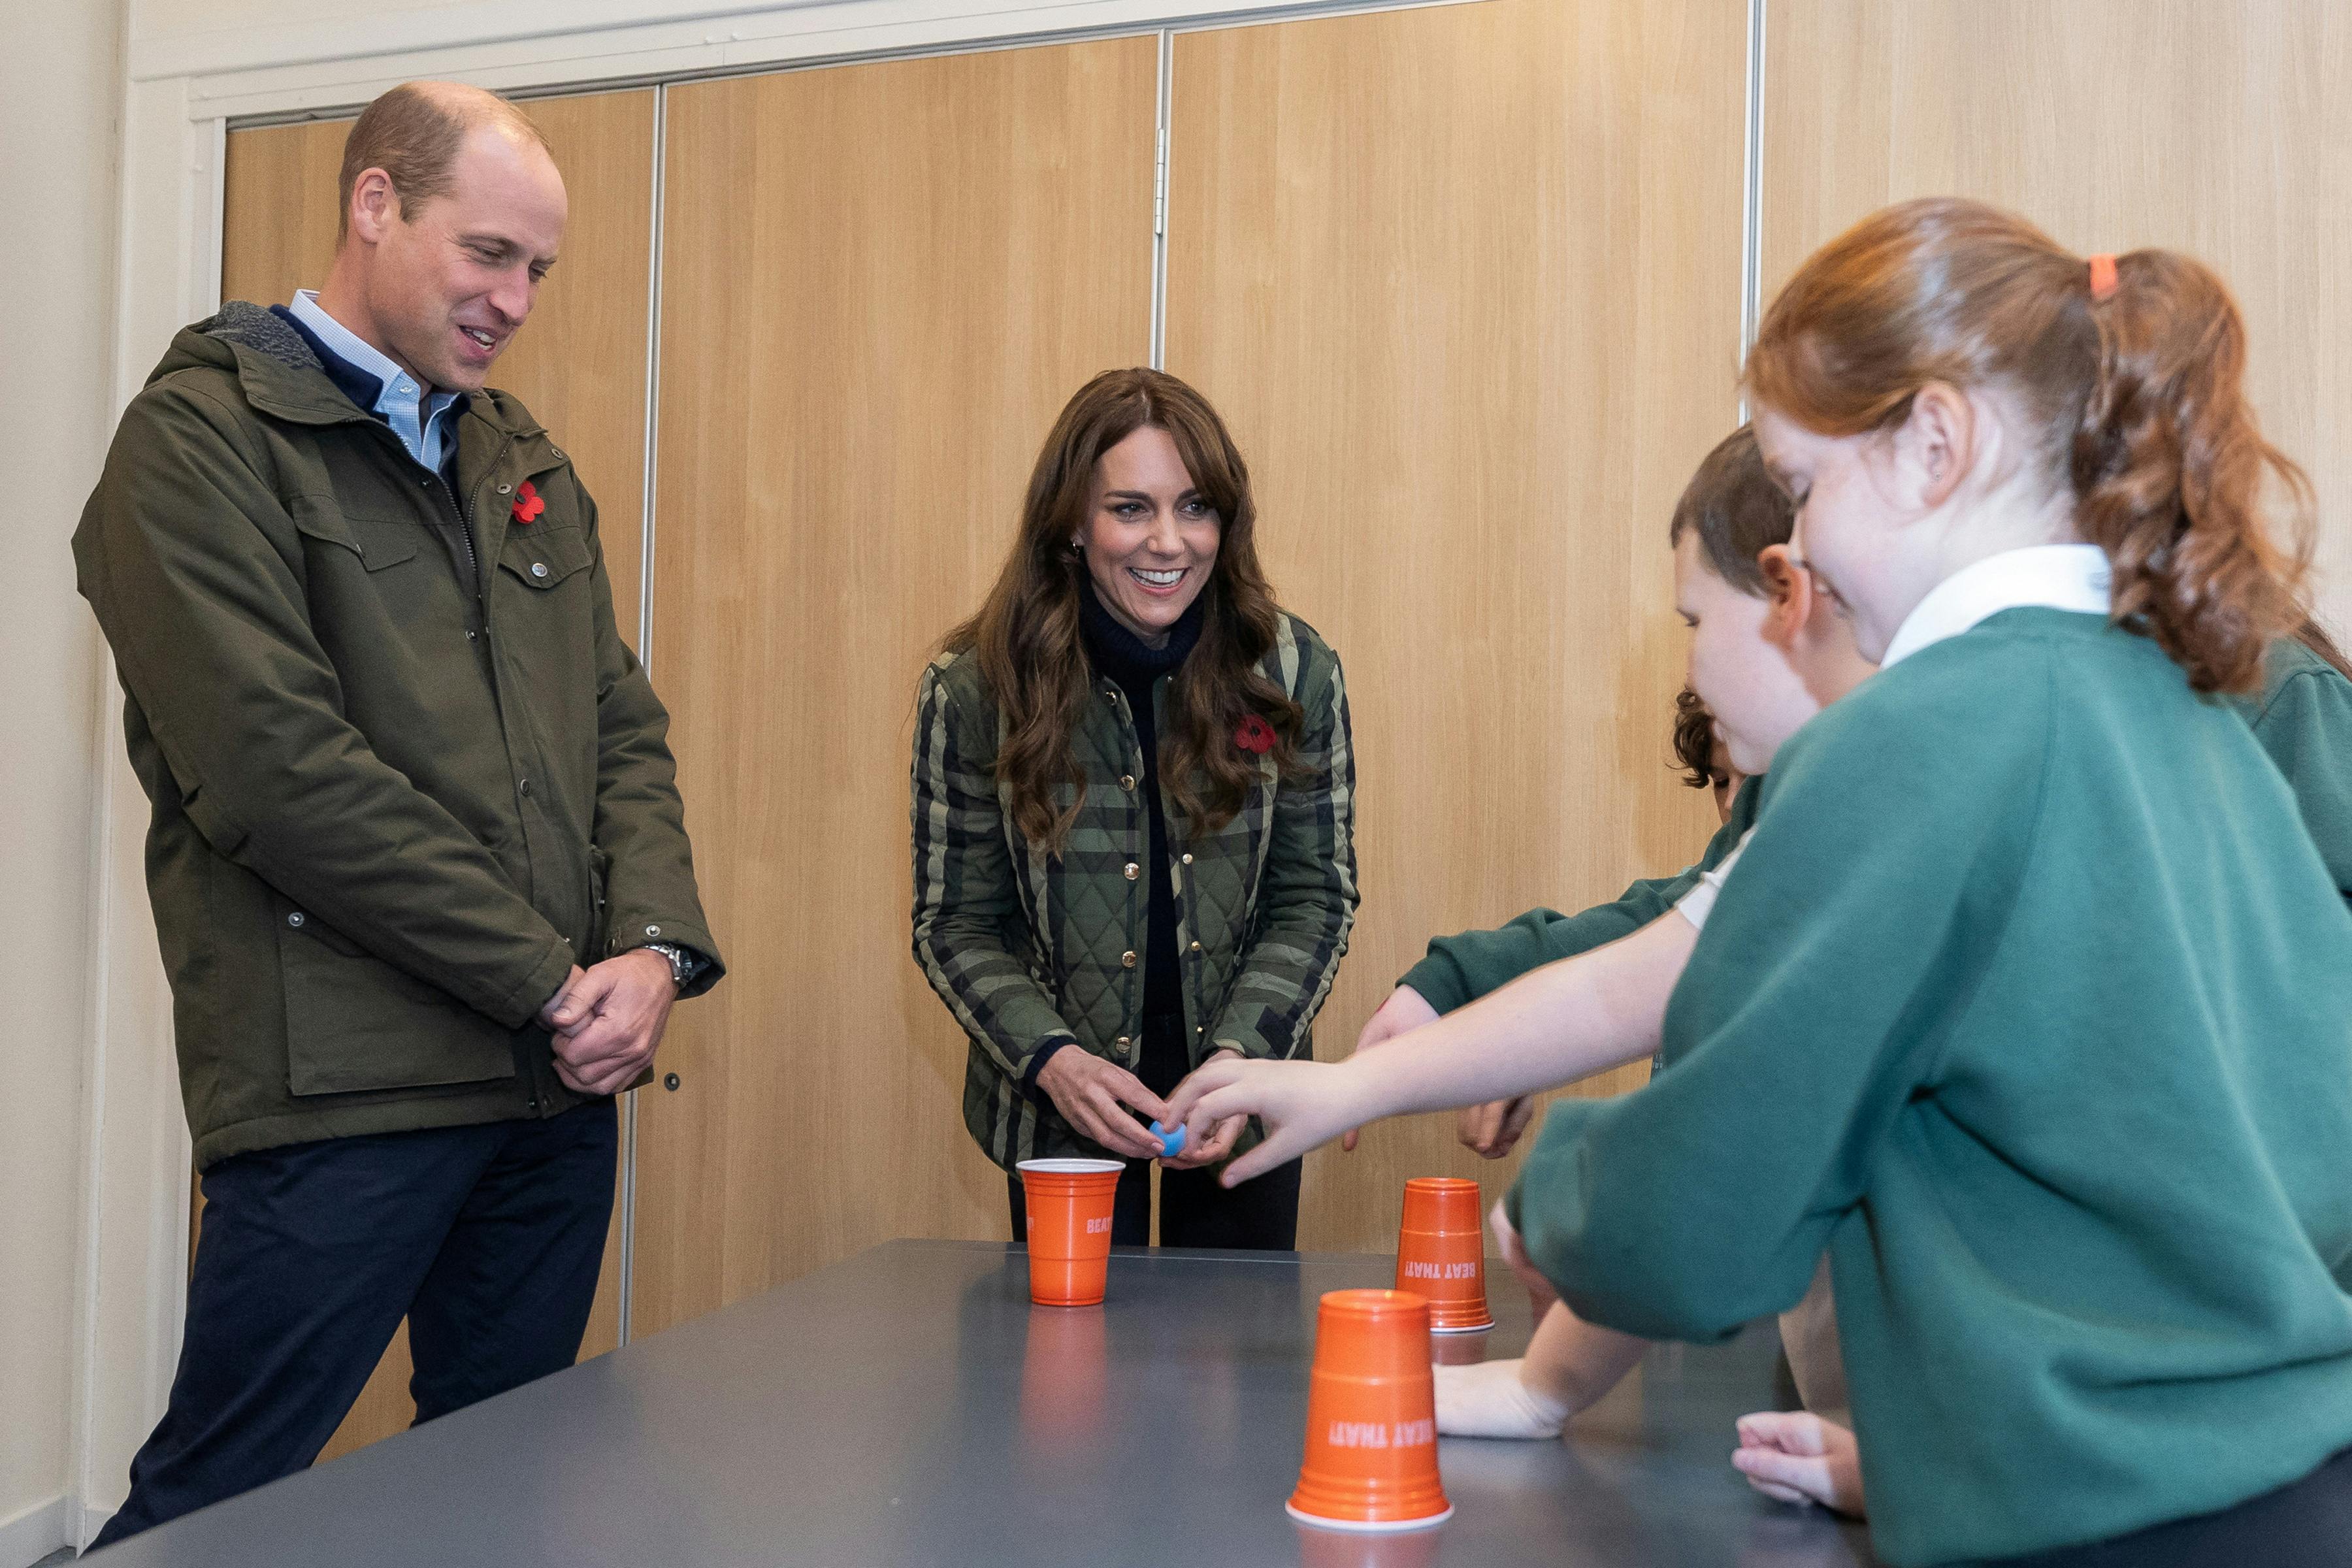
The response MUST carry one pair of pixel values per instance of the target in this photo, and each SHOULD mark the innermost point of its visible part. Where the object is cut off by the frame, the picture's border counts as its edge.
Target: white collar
(2043, 576)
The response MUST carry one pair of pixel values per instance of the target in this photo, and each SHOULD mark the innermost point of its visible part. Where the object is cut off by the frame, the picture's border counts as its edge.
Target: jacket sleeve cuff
(1037, 1061)
(1438, 980)
(677, 933)
(537, 988)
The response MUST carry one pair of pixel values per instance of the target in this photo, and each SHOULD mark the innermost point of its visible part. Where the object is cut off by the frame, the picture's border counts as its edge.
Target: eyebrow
(1191, 494)
(504, 246)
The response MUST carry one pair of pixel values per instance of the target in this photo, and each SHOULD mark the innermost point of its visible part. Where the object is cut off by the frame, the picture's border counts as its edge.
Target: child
(2303, 717)
(1766, 653)
(2070, 976)
(1734, 513)
(2071, 979)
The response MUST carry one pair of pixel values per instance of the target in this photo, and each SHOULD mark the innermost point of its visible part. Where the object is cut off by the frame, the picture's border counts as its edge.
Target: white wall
(60, 98)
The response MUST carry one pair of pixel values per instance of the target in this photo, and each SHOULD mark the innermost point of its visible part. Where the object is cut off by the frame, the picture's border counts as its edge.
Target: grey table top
(909, 1408)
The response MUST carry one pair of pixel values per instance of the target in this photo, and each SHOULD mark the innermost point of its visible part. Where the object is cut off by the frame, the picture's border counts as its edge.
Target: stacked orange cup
(1069, 1204)
(1371, 1418)
(1442, 1253)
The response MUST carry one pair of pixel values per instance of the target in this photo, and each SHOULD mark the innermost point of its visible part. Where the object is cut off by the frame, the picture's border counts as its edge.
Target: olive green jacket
(1029, 949)
(404, 772)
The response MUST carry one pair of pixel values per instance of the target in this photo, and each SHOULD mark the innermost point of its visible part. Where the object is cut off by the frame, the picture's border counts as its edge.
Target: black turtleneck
(1119, 653)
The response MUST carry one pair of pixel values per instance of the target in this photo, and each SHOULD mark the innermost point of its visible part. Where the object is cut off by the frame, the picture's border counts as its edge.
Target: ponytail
(2134, 377)
(2169, 470)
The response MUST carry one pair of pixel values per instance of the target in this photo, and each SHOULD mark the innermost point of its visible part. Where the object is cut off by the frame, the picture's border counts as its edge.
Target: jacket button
(1188, 860)
(1127, 782)
(653, 930)
(1120, 1042)
(523, 785)
(1133, 870)
(1196, 947)
(294, 919)
(1127, 960)
(506, 490)
(538, 568)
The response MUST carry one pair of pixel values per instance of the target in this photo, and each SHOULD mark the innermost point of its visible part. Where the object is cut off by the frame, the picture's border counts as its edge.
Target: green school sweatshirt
(2032, 1001)
(2304, 720)
(1460, 969)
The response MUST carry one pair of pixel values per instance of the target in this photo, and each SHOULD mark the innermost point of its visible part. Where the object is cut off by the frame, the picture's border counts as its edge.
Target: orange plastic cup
(1371, 1418)
(1069, 1228)
(1442, 1253)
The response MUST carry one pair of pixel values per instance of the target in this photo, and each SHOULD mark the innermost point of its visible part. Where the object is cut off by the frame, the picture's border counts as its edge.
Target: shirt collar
(414, 418)
(348, 346)
(2041, 576)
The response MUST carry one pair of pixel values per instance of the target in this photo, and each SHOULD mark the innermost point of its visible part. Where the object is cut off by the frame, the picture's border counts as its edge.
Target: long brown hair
(1034, 659)
(2139, 391)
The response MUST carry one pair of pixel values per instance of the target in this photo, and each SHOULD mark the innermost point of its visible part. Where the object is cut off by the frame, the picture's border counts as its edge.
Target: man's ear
(1788, 588)
(375, 206)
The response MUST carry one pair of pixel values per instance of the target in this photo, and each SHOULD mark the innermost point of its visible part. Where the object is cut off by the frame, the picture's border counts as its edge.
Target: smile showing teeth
(478, 335)
(1158, 579)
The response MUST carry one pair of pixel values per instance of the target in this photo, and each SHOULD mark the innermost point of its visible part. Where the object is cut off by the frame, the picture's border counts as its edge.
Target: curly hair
(2138, 389)
(1694, 740)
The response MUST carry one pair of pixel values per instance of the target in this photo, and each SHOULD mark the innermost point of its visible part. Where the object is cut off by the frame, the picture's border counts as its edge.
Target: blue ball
(1171, 1143)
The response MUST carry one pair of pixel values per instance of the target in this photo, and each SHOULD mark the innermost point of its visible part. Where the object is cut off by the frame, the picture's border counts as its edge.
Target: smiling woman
(1134, 812)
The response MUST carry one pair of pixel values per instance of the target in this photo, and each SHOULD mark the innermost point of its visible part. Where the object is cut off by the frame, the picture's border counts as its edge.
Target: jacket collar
(281, 374)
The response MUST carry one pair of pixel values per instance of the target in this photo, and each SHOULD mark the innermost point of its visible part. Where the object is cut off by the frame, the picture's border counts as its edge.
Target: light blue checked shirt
(422, 420)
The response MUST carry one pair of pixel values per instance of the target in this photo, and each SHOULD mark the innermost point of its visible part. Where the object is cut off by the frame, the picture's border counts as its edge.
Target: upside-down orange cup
(1442, 1253)
(1371, 1418)
(1069, 1228)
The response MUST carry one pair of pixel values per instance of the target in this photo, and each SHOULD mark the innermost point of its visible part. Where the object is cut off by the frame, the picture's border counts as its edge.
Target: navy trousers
(487, 1239)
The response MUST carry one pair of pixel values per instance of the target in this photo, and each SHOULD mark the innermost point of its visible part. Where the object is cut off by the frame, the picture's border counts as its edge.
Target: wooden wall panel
(1465, 283)
(2222, 130)
(579, 364)
(880, 283)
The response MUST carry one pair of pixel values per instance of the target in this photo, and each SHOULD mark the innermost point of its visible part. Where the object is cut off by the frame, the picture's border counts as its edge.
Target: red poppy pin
(1255, 735)
(529, 502)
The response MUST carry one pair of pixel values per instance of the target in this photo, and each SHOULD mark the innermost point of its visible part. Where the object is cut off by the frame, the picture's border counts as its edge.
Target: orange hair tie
(2102, 276)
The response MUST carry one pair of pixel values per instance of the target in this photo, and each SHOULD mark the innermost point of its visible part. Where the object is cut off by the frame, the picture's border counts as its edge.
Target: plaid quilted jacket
(1026, 949)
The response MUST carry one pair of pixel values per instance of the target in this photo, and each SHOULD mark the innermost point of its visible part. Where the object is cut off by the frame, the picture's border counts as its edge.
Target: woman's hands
(1304, 1105)
(1797, 1456)
(1097, 1098)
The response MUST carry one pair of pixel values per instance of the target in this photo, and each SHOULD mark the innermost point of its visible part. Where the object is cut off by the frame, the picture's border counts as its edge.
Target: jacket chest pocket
(354, 563)
(543, 591)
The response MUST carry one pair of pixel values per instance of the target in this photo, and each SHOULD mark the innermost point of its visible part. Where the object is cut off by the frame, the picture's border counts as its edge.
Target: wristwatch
(682, 965)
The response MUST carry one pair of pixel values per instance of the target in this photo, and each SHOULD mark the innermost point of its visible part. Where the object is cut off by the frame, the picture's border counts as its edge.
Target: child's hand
(1212, 1150)
(1493, 1128)
(1304, 1105)
(1797, 1456)
(1405, 1011)
(1540, 1295)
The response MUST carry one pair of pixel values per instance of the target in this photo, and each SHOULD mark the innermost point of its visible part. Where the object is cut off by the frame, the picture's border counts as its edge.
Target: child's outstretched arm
(1562, 1022)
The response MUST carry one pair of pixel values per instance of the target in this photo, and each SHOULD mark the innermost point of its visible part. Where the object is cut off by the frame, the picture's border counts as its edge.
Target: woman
(1134, 813)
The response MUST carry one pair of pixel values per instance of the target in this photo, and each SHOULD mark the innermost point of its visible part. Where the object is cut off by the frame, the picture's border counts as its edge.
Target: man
(419, 867)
